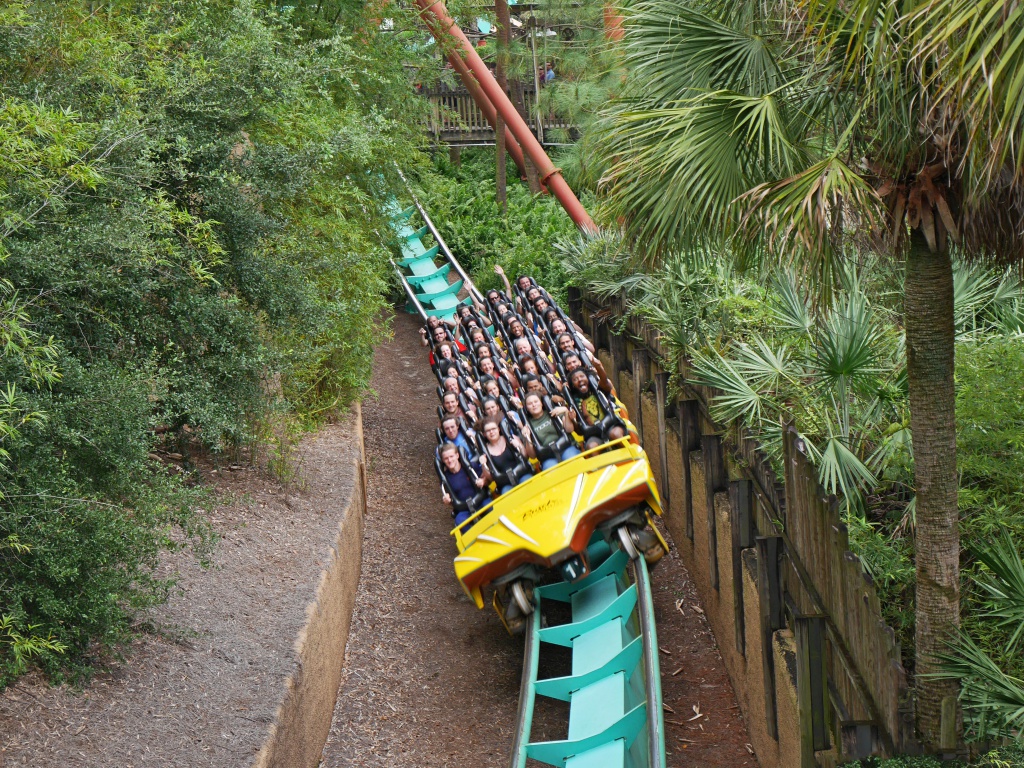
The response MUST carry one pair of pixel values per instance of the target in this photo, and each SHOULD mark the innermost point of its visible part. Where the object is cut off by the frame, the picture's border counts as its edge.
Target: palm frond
(973, 289)
(676, 51)
(840, 470)
(788, 306)
(797, 216)
(847, 344)
(681, 168)
(981, 43)
(993, 701)
(738, 399)
(1004, 586)
(764, 368)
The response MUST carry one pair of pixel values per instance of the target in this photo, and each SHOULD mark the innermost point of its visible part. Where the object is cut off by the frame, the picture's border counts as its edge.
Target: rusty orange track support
(435, 16)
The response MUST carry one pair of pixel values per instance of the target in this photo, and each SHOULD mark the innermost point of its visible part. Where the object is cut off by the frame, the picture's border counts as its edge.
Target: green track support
(423, 278)
(614, 690)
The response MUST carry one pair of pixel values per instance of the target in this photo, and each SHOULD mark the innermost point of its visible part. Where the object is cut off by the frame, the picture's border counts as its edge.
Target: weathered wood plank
(770, 600)
(742, 532)
(661, 404)
(715, 479)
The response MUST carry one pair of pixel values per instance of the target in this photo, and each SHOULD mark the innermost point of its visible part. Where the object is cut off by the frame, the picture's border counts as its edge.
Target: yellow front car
(553, 515)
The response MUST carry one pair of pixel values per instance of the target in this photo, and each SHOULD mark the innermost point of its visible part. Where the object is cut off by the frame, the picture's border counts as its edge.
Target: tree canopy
(193, 239)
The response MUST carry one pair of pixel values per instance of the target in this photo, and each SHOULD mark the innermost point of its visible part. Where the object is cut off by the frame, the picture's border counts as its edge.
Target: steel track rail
(652, 666)
(409, 291)
(470, 286)
(599, 735)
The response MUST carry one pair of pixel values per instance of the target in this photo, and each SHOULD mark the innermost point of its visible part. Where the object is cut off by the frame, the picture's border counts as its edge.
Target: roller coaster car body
(551, 517)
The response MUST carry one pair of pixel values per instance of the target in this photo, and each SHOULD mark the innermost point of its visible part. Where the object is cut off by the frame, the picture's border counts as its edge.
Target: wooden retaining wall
(797, 619)
(303, 720)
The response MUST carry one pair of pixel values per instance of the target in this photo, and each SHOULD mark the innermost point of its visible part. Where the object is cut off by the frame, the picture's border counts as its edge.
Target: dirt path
(430, 680)
(203, 690)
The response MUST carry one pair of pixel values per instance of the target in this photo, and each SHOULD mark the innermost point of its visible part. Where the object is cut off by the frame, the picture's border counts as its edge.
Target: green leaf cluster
(193, 239)
(462, 203)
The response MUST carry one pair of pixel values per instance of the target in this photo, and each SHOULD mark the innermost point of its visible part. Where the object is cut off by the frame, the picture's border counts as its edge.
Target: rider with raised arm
(590, 408)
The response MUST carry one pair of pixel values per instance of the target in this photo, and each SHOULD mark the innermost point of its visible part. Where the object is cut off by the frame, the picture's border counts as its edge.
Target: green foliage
(839, 371)
(462, 203)
(193, 241)
(990, 423)
(1011, 756)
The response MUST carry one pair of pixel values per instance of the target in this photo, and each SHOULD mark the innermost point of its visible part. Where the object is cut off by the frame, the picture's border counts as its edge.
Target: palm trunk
(532, 177)
(930, 342)
(502, 15)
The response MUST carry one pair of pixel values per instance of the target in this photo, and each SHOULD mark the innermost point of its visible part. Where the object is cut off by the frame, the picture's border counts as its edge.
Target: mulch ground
(430, 680)
(202, 689)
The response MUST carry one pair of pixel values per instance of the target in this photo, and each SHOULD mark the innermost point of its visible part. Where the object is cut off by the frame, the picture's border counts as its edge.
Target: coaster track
(614, 687)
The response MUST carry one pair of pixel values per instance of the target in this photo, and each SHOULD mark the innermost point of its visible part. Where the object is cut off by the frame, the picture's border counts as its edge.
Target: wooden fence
(851, 689)
(455, 119)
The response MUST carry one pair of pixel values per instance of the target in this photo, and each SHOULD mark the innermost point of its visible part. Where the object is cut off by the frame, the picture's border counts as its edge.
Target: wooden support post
(689, 440)
(812, 687)
(639, 384)
(949, 725)
(769, 588)
(617, 348)
(575, 301)
(715, 479)
(859, 739)
(595, 331)
(660, 404)
(741, 500)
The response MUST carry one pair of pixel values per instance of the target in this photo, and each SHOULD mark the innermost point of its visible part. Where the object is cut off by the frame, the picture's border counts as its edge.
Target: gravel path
(430, 680)
(203, 689)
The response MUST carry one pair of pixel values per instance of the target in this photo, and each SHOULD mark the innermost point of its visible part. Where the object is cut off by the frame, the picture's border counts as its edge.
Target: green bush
(193, 238)
(1004, 757)
(462, 203)
(990, 444)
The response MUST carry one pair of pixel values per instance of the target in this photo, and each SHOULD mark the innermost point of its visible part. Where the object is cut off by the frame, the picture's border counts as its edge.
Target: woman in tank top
(503, 454)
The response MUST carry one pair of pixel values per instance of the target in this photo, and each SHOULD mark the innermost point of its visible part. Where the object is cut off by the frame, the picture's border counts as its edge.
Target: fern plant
(992, 699)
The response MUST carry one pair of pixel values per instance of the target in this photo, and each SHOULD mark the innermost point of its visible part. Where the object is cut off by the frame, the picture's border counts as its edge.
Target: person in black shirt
(503, 454)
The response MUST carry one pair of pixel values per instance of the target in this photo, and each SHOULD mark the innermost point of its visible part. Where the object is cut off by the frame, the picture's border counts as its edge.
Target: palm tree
(802, 130)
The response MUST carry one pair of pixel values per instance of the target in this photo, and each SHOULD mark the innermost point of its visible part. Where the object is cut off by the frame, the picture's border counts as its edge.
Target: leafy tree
(193, 234)
(790, 129)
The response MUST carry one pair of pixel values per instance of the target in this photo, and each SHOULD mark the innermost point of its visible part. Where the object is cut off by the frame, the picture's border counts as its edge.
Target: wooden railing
(455, 118)
(851, 688)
